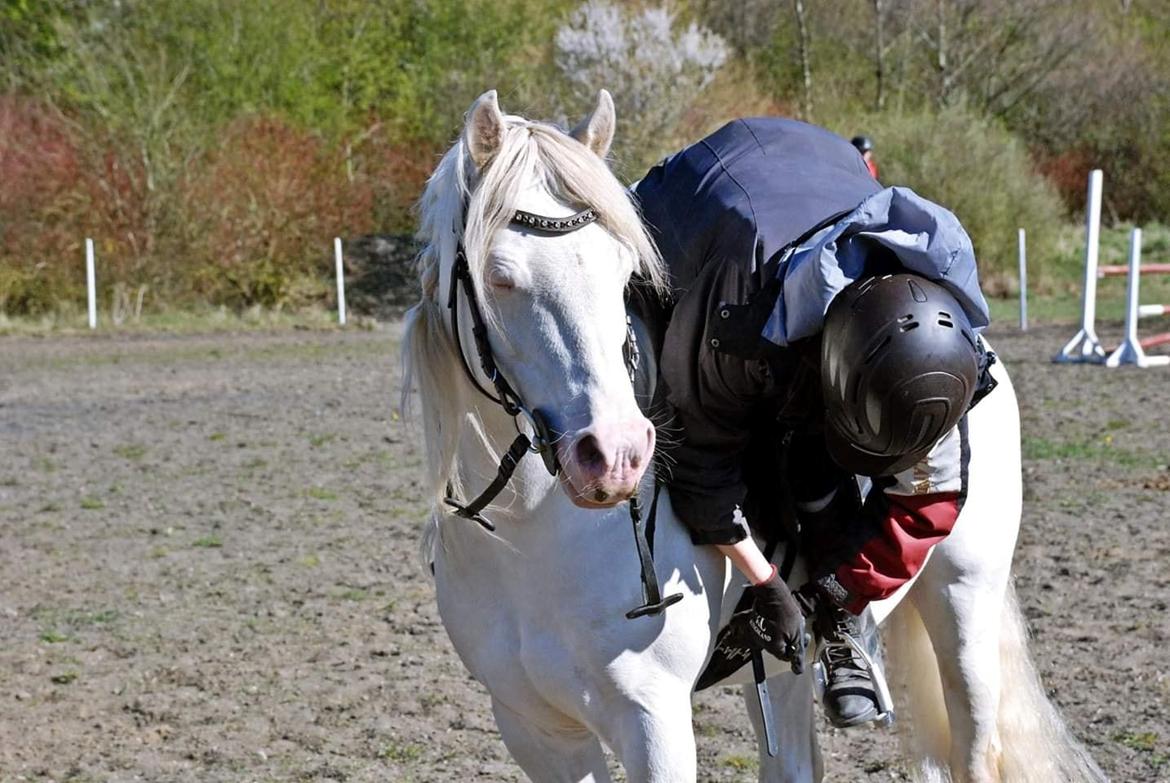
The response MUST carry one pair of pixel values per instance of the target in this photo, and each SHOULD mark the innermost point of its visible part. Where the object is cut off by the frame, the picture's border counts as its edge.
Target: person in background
(865, 146)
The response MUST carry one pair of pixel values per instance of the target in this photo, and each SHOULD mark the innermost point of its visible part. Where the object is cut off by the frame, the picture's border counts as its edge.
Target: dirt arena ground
(208, 569)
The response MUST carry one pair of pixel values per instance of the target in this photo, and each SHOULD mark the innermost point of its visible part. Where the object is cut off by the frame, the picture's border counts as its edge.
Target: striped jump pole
(1084, 346)
(1130, 351)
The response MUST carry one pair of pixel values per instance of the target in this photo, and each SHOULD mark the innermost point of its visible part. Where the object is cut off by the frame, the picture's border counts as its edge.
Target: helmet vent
(869, 357)
(908, 326)
(944, 319)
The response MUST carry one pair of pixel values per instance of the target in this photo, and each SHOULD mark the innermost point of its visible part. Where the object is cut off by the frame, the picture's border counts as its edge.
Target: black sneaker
(850, 697)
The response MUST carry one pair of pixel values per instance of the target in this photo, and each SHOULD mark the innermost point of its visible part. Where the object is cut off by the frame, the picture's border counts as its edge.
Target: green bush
(978, 170)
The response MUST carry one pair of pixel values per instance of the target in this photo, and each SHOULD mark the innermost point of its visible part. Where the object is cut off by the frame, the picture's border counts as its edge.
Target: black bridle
(542, 438)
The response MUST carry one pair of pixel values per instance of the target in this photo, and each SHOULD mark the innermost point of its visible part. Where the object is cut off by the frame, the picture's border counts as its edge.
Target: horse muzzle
(603, 464)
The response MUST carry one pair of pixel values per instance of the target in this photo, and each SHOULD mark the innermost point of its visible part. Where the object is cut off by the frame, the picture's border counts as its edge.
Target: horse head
(549, 240)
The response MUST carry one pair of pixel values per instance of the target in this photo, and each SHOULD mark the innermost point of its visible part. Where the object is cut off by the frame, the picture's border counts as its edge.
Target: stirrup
(881, 690)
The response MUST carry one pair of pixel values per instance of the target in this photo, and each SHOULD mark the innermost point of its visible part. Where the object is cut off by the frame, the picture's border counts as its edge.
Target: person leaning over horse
(812, 307)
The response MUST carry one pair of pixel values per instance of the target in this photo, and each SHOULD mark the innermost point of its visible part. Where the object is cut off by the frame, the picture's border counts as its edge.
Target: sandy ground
(208, 569)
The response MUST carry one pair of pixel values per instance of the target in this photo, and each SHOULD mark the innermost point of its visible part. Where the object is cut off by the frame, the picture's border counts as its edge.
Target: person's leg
(827, 504)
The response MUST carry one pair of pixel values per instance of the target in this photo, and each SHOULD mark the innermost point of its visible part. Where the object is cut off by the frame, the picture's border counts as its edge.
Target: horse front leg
(655, 739)
(799, 759)
(554, 752)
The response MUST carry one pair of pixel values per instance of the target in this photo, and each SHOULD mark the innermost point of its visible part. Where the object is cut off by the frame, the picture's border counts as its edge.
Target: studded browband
(549, 225)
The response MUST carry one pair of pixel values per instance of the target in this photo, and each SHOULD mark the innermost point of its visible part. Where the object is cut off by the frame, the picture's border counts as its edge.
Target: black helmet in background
(899, 366)
(863, 143)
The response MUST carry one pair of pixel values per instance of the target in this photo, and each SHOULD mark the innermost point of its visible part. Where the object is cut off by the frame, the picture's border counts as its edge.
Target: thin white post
(91, 283)
(1085, 347)
(340, 281)
(1023, 281)
(1130, 351)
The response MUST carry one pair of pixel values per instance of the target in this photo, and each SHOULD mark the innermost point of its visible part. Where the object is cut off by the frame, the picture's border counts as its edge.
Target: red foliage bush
(60, 185)
(41, 199)
(1069, 172)
(261, 210)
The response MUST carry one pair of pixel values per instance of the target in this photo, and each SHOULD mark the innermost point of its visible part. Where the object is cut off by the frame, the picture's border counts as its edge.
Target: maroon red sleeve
(907, 529)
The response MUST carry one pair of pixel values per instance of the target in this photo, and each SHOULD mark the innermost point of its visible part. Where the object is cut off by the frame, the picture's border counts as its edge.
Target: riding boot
(850, 697)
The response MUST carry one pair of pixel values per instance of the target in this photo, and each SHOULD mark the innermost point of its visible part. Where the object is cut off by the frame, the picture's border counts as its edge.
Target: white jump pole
(91, 283)
(1130, 351)
(1085, 347)
(1023, 244)
(340, 281)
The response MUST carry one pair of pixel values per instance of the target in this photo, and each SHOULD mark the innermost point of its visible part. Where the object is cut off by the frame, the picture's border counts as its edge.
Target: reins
(541, 441)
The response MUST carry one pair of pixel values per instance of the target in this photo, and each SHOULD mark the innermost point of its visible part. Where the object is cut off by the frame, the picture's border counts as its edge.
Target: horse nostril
(589, 452)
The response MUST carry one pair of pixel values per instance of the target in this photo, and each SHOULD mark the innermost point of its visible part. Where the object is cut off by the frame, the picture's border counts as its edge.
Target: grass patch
(353, 594)
(402, 754)
(208, 542)
(1145, 741)
(1099, 450)
(64, 678)
(217, 436)
(194, 320)
(320, 493)
(52, 636)
(92, 504)
(317, 441)
(74, 619)
(741, 763)
(130, 451)
(309, 561)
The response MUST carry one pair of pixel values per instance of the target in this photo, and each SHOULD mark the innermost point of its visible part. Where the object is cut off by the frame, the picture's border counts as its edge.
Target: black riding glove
(775, 622)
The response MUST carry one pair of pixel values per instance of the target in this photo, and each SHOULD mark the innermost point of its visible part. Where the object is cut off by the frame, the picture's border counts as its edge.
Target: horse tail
(913, 675)
(1036, 743)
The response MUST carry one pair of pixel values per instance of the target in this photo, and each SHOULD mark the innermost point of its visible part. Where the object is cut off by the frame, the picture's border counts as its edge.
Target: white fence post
(1023, 281)
(340, 281)
(91, 283)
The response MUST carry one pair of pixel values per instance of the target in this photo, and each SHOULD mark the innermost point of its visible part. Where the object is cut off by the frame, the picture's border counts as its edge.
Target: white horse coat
(536, 610)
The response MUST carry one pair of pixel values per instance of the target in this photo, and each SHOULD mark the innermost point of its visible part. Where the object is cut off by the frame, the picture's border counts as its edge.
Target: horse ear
(596, 130)
(485, 129)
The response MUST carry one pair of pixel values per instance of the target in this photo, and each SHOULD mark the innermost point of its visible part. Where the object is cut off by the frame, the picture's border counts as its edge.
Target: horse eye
(501, 279)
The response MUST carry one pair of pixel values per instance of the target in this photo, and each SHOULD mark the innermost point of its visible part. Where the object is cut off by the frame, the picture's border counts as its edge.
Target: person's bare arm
(750, 561)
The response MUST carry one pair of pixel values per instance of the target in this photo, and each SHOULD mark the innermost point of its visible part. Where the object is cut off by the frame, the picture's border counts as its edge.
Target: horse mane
(463, 203)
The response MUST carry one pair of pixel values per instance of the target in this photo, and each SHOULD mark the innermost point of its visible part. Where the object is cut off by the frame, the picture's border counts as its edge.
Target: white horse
(537, 608)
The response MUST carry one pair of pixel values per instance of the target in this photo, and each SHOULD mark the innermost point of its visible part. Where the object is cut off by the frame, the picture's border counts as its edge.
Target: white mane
(460, 202)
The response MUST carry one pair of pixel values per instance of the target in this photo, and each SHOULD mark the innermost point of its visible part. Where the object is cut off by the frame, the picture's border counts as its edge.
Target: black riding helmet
(862, 143)
(899, 365)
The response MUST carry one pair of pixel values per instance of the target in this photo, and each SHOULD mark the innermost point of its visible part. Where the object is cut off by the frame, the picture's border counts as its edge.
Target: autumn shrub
(261, 210)
(58, 188)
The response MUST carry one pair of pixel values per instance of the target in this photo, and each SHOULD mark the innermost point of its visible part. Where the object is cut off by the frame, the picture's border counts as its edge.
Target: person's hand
(775, 622)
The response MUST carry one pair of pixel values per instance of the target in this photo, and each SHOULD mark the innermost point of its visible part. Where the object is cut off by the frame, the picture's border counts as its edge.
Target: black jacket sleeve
(716, 395)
